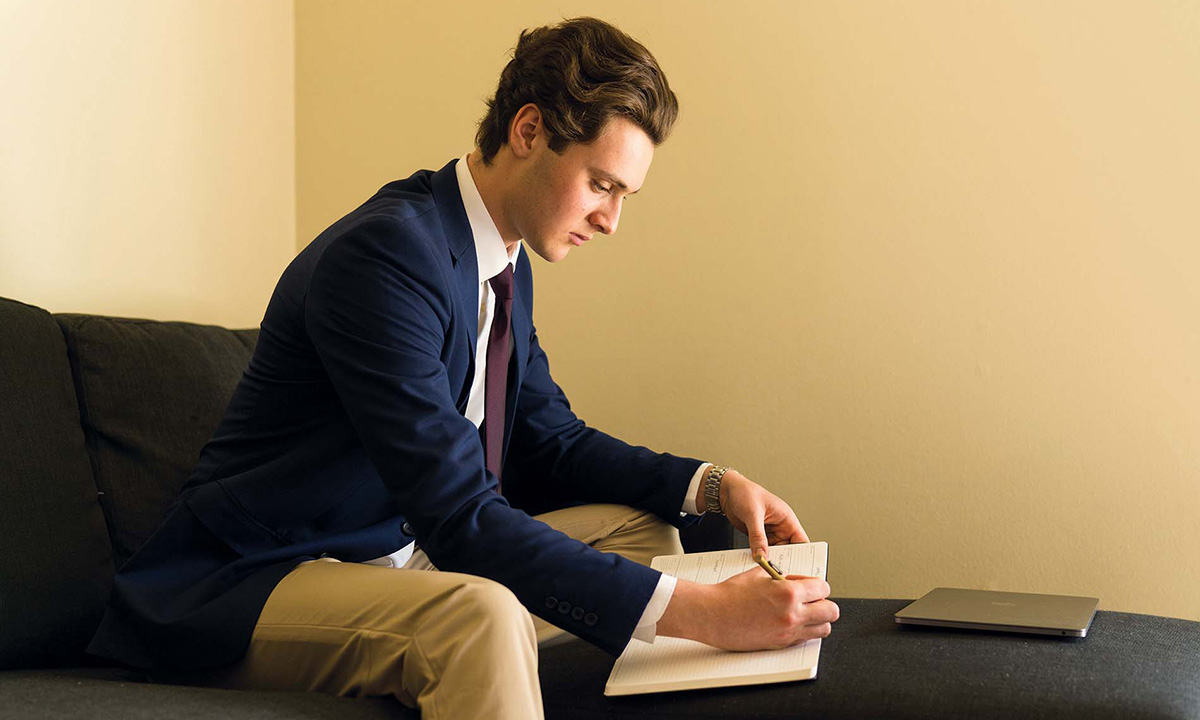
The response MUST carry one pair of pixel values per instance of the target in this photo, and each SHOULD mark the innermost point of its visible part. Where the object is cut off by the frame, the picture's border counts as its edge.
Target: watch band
(712, 489)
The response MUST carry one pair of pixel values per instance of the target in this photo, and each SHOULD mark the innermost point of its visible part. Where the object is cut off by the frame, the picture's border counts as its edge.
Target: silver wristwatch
(712, 489)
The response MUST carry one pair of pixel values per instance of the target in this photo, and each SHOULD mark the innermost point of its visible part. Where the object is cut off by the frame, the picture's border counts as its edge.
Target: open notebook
(677, 664)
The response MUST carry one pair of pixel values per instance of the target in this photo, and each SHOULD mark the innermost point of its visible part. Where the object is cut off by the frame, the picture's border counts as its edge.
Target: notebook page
(675, 663)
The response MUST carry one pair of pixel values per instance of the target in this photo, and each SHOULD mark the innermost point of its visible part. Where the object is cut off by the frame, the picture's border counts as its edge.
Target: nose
(606, 217)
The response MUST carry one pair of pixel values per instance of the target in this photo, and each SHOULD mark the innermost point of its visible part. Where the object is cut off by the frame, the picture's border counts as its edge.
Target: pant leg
(637, 535)
(453, 645)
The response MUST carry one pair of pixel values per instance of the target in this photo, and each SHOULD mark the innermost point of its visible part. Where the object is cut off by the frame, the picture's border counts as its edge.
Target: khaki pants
(453, 645)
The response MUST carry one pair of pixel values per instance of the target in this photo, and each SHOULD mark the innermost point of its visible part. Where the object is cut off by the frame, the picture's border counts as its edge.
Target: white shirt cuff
(647, 627)
(689, 498)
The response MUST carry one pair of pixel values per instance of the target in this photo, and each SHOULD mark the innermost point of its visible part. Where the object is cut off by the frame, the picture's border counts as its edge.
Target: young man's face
(566, 199)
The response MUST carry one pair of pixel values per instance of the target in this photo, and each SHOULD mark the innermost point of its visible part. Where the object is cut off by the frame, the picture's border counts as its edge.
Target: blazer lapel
(461, 243)
(466, 275)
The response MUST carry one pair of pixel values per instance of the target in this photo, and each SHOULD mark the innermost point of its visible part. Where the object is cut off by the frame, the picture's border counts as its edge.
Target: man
(398, 417)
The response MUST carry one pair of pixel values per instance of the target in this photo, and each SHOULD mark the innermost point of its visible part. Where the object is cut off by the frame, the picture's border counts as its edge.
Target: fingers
(755, 516)
(784, 525)
(758, 612)
(812, 632)
(810, 589)
(757, 533)
(758, 536)
(795, 532)
(818, 620)
(822, 612)
(815, 613)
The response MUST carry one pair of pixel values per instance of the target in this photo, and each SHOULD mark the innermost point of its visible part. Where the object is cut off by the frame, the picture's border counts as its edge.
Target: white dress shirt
(492, 256)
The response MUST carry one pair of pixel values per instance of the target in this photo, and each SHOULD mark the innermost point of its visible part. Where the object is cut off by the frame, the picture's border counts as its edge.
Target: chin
(551, 254)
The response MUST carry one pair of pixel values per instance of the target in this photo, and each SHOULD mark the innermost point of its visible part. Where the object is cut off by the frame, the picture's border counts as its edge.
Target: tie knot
(502, 284)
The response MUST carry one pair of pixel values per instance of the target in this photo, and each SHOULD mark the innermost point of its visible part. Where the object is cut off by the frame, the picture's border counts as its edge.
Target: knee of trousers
(658, 532)
(482, 607)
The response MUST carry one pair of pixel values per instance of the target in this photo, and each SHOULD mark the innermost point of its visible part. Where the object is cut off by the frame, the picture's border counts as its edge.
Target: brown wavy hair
(580, 73)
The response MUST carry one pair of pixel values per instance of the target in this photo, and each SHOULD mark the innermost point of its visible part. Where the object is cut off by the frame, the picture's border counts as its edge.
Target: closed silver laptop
(1061, 615)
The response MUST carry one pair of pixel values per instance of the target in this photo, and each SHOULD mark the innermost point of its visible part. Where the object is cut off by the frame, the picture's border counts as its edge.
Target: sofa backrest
(150, 396)
(55, 566)
(101, 421)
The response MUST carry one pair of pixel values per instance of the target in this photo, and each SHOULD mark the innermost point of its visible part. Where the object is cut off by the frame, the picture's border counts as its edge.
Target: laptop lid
(1061, 615)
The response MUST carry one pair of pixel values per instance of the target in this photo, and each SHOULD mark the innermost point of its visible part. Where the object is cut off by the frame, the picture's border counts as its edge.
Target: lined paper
(678, 664)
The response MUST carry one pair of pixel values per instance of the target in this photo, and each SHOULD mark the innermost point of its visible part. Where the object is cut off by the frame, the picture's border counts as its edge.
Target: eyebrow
(613, 179)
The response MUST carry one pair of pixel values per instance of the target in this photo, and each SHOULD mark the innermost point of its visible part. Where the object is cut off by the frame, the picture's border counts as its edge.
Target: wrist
(732, 478)
(687, 612)
(712, 486)
(699, 497)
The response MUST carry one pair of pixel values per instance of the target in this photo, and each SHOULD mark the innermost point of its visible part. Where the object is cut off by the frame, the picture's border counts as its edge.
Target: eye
(600, 188)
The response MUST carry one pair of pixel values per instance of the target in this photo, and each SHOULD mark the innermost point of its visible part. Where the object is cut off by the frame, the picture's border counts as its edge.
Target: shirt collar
(489, 246)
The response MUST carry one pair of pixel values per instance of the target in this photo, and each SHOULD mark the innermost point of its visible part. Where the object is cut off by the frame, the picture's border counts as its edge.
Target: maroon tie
(499, 342)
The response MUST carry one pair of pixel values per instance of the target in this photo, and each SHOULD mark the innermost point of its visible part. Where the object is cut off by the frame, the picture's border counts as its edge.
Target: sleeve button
(577, 613)
(564, 607)
(591, 618)
(551, 602)
(407, 529)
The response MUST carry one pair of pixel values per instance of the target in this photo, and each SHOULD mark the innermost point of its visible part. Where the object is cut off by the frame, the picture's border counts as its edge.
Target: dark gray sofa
(102, 418)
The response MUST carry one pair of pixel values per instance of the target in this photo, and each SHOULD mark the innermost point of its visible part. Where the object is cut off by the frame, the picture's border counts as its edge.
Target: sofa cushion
(96, 694)
(1129, 666)
(150, 394)
(56, 567)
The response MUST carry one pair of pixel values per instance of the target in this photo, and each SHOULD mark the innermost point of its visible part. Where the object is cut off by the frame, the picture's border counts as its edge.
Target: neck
(492, 182)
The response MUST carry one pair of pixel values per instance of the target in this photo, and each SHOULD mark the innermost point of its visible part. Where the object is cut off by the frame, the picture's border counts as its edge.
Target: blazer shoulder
(399, 238)
(408, 206)
(399, 226)
(404, 199)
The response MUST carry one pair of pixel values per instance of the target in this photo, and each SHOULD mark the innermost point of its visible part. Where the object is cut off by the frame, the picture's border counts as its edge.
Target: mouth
(578, 239)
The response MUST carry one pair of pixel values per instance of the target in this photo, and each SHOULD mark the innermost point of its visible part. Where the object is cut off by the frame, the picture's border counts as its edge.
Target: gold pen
(768, 566)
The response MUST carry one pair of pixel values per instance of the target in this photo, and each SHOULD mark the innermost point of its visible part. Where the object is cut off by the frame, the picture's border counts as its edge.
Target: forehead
(622, 152)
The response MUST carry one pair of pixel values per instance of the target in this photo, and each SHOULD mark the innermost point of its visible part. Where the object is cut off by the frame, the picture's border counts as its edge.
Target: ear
(524, 129)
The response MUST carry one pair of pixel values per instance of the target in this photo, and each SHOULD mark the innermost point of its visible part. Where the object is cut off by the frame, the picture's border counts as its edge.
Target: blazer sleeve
(378, 309)
(554, 458)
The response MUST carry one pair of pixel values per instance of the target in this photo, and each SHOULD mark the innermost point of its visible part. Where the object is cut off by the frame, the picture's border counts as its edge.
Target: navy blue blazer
(346, 436)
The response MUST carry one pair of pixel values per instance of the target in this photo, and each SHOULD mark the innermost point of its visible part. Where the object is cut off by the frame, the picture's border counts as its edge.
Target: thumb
(758, 536)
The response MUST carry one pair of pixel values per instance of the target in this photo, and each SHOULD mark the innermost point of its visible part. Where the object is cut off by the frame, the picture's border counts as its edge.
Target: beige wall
(923, 268)
(147, 156)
